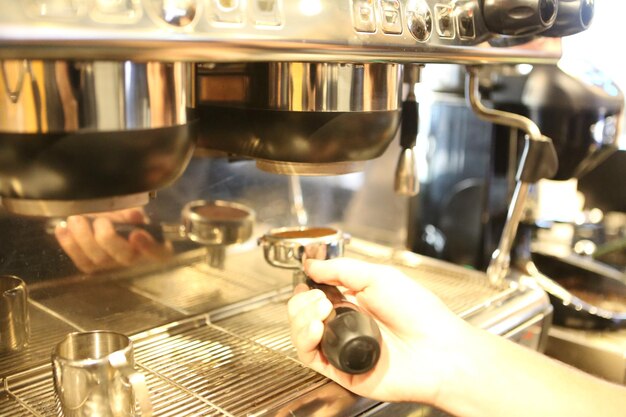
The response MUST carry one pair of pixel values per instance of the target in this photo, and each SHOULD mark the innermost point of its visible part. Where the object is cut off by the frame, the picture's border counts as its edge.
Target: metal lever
(538, 161)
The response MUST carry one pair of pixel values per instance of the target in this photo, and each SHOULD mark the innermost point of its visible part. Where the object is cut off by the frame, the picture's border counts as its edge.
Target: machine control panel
(230, 30)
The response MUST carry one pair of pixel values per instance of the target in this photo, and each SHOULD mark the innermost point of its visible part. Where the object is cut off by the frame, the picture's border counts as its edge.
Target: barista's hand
(95, 246)
(421, 337)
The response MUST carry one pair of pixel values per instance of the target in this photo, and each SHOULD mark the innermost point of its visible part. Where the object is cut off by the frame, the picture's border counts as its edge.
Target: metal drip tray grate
(242, 363)
(35, 391)
(267, 325)
(232, 374)
(192, 369)
(464, 291)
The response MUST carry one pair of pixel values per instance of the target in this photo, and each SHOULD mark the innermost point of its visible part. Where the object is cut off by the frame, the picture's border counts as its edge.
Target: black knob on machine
(573, 16)
(519, 17)
(351, 339)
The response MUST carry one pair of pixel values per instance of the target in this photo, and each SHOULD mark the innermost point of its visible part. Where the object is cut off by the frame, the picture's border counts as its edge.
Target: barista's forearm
(495, 378)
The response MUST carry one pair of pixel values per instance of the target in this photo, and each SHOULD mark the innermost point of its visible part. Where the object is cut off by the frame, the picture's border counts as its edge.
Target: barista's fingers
(301, 300)
(115, 245)
(306, 341)
(306, 311)
(351, 273)
(317, 310)
(148, 247)
(71, 248)
(82, 232)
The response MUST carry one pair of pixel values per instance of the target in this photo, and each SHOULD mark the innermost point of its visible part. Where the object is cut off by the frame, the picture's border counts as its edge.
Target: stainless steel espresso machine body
(103, 104)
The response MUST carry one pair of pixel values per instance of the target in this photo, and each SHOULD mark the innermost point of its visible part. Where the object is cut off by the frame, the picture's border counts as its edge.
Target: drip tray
(235, 358)
(192, 369)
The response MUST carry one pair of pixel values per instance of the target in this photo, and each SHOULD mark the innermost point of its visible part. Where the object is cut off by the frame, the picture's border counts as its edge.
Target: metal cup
(94, 376)
(14, 322)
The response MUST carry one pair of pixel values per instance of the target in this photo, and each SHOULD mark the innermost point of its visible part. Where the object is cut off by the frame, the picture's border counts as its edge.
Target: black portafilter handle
(125, 229)
(351, 339)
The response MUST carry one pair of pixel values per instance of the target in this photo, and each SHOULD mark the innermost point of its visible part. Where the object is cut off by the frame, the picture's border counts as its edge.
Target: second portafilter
(351, 339)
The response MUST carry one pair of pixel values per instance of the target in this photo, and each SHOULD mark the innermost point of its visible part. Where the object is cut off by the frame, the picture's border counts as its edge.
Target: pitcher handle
(137, 381)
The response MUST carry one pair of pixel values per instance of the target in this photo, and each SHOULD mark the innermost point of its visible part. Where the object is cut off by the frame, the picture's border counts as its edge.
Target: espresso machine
(115, 115)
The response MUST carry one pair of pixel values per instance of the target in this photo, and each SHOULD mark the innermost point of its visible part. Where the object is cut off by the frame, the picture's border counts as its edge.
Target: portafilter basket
(351, 339)
(217, 223)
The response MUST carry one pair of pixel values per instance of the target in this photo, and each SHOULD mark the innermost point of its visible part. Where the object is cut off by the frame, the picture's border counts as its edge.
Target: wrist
(461, 370)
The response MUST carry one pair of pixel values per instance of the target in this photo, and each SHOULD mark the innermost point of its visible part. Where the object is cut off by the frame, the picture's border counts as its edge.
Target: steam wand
(538, 161)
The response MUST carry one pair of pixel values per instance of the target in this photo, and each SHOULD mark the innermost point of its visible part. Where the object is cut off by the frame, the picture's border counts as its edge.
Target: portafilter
(351, 339)
(214, 224)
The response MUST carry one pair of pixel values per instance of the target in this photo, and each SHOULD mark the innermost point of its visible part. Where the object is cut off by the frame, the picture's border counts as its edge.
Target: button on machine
(364, 16)
(391, 16)
(56, 9)
(116, 11)
(465, 23)
(445, 21)
(176, 13)
(420, 21)
(267, 13)
(230, 12)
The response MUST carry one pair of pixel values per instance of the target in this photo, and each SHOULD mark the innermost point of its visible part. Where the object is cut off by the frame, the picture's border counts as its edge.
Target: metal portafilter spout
(406, 181)
(538, 160)
(351, 339)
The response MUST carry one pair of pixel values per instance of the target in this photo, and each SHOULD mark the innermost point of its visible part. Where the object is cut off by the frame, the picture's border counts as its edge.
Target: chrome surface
(59, 208)
(267, 30)
(304, 86)
(309, 169)
(68, 96)
(406, 182)
(299, 118)
(501, 257)
(288, 247)
(14, 314)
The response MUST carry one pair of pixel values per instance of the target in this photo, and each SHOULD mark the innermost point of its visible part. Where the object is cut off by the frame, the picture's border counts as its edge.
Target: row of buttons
(419, 19)
(177, 13)
(445, 18)
(364, 14)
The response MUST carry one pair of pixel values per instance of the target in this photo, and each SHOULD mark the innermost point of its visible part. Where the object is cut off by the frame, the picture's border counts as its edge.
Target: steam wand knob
(573, 16)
